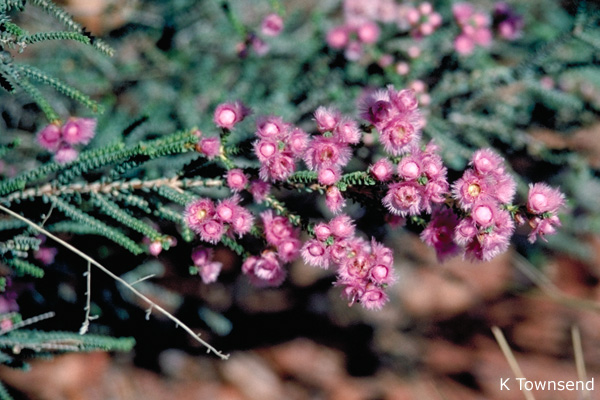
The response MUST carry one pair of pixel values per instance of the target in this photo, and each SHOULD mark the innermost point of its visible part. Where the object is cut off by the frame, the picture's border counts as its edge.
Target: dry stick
(118, 279)
(88, 301)
(579, 361)
(512, 361)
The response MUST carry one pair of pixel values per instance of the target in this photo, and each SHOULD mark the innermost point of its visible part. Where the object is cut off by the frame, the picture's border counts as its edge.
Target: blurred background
(534, 98)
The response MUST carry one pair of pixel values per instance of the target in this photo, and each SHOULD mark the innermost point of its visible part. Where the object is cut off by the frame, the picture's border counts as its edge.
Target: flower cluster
(481, 192)
(284, 247)
(423, 20)
(507, 23)
(331, 151)
(279, 145)
(364, 269)
(352, 38)
(61, 140)
(543, 203)
(271, 26)
(475, 28)
(211, 221)
(421, 181)
(473, 216)
(208, 269)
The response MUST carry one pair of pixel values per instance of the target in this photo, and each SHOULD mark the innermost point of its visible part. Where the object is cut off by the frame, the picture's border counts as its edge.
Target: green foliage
(100, 227)
(41, 341)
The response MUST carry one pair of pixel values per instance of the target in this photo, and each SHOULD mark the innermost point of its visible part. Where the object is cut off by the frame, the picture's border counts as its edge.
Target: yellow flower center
(473, 190)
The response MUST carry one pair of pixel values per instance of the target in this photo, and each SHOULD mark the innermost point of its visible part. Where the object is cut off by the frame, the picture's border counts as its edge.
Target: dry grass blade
(512, 361)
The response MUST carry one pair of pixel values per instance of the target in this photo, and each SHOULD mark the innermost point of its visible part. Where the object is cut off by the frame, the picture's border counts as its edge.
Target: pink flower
(209, 146)
(353, 290)
(544, 199)
(236, 179)
(377, 109)
(298, 142)
(381, 254)
(227, 115)
(542, 227)
(277, 168)
(259, 46)
(368, 32)
(46, 255)
(342, 226)
(328, 176)
(486, 161)
(264, 271)
(439, 233)
(226, 210)
(212, 231)
(373, 298)
(289, 249)
(327, 118)
(325, 152)
(50, 137)
(354, 267)
(464, 44)
(315, 253)
(270, 127)
(469, 188)
(465, 231)
(409, 168)
(65, 154)
(483, 213)
(347, 131)
(201, 255)
(155, 248)
(381, 274)
(277, 228)
(272, 25)
(78, 130)
(322, 231)
(399, 135)
(403, 198)
(462, 12)
(338, 37)
(209, 272)
(382, 170)
(259, 190)
(242, 222)
(354, 51)
(198, 212)
(265, 149)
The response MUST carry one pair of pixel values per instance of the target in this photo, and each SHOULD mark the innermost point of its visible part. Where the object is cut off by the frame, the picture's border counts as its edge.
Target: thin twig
(579, 361)
(510, 357)
(143, 279)
(88, 302)
(118, 279)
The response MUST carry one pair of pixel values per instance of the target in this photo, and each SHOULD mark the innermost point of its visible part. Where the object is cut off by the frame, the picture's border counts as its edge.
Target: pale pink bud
(272, 25)
(328, 176)
(338, 37)
(49, 137)
(155, 248)
(209, 146)
(368, 32)
(79, 130)
(65, 154)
